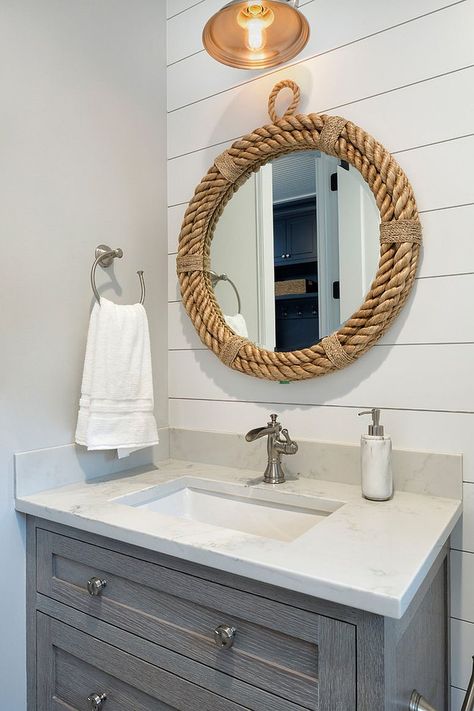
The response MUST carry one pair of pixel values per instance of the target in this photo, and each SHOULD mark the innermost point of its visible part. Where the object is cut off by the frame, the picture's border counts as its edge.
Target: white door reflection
(299, 240)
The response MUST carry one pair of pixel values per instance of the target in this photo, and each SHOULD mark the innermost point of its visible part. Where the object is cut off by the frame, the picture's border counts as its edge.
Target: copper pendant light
(252, 34)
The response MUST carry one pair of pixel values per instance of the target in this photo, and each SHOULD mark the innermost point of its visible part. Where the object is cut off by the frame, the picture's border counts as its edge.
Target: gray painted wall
(82, 136)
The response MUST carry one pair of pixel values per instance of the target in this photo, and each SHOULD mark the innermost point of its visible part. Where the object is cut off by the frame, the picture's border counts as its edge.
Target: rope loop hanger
(284, 84)
(105, 255)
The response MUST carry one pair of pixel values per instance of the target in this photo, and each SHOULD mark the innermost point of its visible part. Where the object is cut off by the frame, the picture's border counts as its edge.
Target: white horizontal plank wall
(404, 71)
(457, 698)
(175, 7)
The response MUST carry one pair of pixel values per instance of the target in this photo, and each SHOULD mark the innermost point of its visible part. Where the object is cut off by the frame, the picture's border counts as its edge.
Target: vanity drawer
(289, 652)
(73, 666)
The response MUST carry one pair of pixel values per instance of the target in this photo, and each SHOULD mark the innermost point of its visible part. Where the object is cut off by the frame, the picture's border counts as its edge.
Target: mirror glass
(295, 250)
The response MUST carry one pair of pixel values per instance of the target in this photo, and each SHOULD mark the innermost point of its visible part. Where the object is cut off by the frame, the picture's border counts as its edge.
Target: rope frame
(399, 247)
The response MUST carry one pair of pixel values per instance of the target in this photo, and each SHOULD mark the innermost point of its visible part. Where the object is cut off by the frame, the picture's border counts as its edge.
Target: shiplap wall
(405, 72)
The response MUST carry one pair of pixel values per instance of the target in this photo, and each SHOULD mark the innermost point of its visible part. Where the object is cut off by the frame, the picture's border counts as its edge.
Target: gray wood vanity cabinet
(147, 639)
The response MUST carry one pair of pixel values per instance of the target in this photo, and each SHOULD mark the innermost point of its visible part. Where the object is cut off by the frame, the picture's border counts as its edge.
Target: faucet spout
(259, 432)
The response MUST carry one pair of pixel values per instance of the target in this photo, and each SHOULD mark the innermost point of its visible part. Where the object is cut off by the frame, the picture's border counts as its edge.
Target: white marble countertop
(367, 555)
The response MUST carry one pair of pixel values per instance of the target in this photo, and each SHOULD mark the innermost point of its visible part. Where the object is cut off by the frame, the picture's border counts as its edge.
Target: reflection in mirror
(295, 251)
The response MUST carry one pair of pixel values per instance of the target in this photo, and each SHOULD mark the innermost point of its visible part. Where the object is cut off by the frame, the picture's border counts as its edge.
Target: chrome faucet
(278, 443)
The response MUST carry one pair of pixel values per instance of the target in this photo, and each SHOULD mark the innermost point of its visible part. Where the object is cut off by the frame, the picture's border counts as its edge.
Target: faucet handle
(273, 420)
(290, 446)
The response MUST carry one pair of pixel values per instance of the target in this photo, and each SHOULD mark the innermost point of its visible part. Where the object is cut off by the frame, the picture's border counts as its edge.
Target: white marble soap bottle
(376, 460)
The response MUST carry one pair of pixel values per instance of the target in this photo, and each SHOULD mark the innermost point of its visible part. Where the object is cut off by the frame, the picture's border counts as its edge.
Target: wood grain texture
(75, 679)
(218, 682)
(337, 668)
(275, 646)
(128, 680)
(417, 652)
(363, 662)
(30, 614)
(231, 580)
(44, 671)
(104, 561)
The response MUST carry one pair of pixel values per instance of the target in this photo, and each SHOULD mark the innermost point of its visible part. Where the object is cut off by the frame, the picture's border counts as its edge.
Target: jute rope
(400, 231)
(285, 84)
(331, 132)
(399, 249)
(231, 348)
(227, 167)
(192, 263)
(335, 352)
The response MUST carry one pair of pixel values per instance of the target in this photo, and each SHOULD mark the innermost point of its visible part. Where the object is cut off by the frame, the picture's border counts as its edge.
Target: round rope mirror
(400, 241)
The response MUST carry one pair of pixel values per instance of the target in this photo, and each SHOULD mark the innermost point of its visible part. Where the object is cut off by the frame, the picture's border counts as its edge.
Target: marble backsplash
(43, 469)
(416, 472)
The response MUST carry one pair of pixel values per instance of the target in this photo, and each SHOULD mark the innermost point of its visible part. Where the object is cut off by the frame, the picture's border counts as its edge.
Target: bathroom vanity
(134, 601)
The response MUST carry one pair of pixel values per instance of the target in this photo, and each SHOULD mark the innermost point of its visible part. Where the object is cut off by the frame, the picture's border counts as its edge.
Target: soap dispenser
(376, 460)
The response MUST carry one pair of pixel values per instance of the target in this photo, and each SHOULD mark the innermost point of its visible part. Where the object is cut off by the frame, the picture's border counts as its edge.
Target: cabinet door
(279, 240)
(284, 658)
(296, 323)
(77, 672)
(275, 648)
(301, 237)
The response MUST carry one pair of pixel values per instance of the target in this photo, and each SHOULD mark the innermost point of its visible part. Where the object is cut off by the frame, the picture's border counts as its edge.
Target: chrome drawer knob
(95, 587)
(224, 636)
(97, 701)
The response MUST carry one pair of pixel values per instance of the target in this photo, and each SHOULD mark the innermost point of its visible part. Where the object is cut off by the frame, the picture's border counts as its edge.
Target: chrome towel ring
(216, 278)
(105, 255)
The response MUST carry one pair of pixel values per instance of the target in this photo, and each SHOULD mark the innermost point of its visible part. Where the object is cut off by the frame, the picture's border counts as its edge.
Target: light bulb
(255, 34)
(254, 19)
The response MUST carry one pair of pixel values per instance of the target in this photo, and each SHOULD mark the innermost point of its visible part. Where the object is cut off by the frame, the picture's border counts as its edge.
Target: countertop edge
(369, 601)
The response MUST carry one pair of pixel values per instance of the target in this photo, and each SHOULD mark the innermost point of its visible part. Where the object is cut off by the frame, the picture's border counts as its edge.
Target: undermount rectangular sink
(275, 514)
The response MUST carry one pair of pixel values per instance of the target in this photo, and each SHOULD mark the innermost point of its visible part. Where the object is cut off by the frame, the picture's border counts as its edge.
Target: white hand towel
(116, 405)
(237, 324)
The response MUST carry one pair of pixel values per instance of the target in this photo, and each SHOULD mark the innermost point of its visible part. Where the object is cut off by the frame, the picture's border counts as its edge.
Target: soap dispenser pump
(376, 460)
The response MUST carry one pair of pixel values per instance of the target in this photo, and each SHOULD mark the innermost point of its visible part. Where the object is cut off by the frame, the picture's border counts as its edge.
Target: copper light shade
(252, 34)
